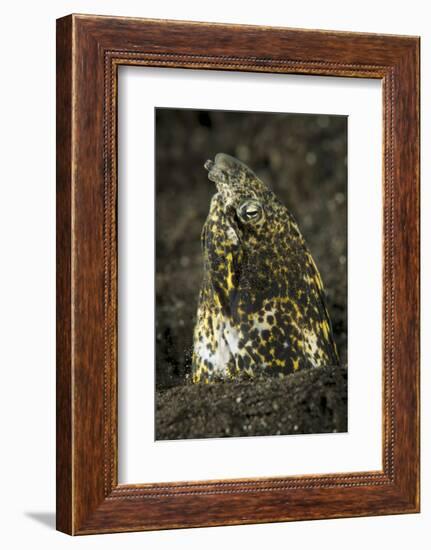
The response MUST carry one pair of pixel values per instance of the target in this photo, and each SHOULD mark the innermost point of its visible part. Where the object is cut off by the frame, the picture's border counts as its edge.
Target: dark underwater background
(303, 158)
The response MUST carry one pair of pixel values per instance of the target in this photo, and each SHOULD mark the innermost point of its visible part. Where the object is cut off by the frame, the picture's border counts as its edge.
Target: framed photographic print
(237, 274)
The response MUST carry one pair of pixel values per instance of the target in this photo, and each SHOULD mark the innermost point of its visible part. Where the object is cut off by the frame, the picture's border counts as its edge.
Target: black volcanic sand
(304, 160)
(309, 402)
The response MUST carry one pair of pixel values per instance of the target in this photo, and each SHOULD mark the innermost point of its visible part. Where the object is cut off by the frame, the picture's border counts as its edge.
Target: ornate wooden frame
(89, 51)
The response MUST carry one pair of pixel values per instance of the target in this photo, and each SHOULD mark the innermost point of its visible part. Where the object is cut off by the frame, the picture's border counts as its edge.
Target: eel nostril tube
(208, 165)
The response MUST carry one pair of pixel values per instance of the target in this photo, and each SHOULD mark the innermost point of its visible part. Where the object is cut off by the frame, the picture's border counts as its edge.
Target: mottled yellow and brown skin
(261, 305)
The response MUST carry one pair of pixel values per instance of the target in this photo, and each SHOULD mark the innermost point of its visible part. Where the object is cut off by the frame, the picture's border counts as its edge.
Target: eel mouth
(234, 180)
(215, 173)
(223, 171)
(223, 166)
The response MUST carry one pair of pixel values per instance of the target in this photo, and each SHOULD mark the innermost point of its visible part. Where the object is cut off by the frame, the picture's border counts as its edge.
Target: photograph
(214, 233)
(251, 273)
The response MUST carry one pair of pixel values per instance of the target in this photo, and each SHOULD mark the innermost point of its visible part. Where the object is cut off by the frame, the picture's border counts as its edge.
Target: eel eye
(250, 211)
